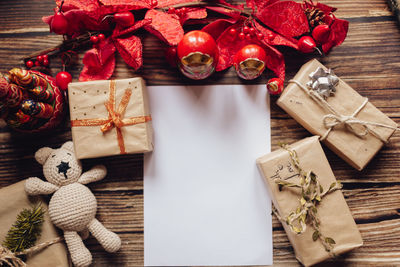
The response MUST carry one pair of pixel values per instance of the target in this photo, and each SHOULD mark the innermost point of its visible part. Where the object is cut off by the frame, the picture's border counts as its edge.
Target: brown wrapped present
(308, 201)
(13, 200)
(326, 106)
(110, 118)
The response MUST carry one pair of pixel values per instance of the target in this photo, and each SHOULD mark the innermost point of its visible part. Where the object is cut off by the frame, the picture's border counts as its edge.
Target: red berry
(29, 64)
(171, 10)
(232, 32)
(94, 39)
(63, 78)
(246, 30)
(321, 33)
(248, 36)
(45, 57)
(45, 62)
(250, 61)
(59, 24)
(171, 56)
(154, 3)
(40, 59)
(275, 86)
(242, 36)
(306, 44)
(270, 36)
(101, 37)
(252, 31)
(260, 36)
(124, 19)
(37, 63)
(183, 10)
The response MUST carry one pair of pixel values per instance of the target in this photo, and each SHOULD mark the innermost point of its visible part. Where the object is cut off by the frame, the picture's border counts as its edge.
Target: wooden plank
(368, 60)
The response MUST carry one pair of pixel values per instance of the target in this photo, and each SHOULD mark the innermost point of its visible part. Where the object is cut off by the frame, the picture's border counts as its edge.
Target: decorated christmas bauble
(197, 55)
(250, 61)
(30, 101)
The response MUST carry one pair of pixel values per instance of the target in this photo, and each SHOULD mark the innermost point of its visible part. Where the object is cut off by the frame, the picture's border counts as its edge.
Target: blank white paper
(205, 202)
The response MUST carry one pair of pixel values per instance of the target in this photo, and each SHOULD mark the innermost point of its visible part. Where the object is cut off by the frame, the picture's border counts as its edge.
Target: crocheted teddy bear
(73, 206)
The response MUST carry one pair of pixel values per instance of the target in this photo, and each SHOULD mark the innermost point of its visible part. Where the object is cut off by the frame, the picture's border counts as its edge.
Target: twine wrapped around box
(12, 259)
(334, 118)
(309, 198)
(347, 122)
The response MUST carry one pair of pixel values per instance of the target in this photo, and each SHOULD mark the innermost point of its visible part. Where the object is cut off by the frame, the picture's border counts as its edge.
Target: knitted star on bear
(73, 206)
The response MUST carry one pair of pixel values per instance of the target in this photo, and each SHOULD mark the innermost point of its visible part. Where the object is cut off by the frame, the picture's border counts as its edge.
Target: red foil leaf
(86, 5)
(120, 32)
(165, 26)
(225, 11)
(99, 62)
(168, 3)
(275, 61)
(216, 28)
(90, 73)
(105, 50)
(287, 18)
(130, 49)
(193, 13)
(138, 4)
(273, 38)
(259, 4)
(339, 29)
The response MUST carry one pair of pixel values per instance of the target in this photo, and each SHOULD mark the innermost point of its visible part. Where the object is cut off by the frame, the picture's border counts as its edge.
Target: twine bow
(334, 119)
(115, 116)
(312, 193)
(12, 260)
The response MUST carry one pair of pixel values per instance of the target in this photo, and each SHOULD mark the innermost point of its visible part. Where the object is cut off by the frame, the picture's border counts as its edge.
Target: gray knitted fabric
(72, 207)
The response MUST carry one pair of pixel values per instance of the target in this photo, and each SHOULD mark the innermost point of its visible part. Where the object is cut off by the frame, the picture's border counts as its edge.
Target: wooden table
(369, 60)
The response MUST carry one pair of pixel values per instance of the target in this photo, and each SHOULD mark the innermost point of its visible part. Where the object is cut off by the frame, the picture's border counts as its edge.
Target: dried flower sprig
(26, 229)
(312, 194)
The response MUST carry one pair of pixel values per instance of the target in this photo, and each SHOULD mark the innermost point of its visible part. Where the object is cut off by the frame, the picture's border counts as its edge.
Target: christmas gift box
(326, 106)
(110, 117)
(48, 250)
(308, 201)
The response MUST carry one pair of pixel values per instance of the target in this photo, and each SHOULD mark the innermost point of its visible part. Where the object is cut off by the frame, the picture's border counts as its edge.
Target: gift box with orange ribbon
(110, 118)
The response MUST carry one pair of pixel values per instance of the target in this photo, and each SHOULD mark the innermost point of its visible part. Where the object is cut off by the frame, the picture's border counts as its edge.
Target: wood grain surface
(369, 60)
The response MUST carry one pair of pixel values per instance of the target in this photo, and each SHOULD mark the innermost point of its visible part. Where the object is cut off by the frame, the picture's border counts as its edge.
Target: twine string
(12, 259)
(312, 194)
(334, 118)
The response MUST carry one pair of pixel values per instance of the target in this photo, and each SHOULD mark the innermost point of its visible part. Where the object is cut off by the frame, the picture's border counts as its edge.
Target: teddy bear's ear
(42, 154)
(68, 146)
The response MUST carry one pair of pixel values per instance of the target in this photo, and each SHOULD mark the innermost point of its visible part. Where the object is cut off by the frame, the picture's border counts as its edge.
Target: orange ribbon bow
(115, 117)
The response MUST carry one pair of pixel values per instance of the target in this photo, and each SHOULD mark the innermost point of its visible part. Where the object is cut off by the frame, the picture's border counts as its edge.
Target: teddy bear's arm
(97, 173)
(36, 186)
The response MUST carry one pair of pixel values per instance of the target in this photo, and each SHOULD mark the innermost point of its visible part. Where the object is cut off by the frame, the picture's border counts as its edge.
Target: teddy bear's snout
(63, 167)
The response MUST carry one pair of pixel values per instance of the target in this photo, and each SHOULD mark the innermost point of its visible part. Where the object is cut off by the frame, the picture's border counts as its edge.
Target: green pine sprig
(26, 229)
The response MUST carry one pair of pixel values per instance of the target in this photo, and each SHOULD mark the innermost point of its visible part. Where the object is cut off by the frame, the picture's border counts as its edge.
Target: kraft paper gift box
(14, 200)
(335, 219)
(110, 118)
(354, 143)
